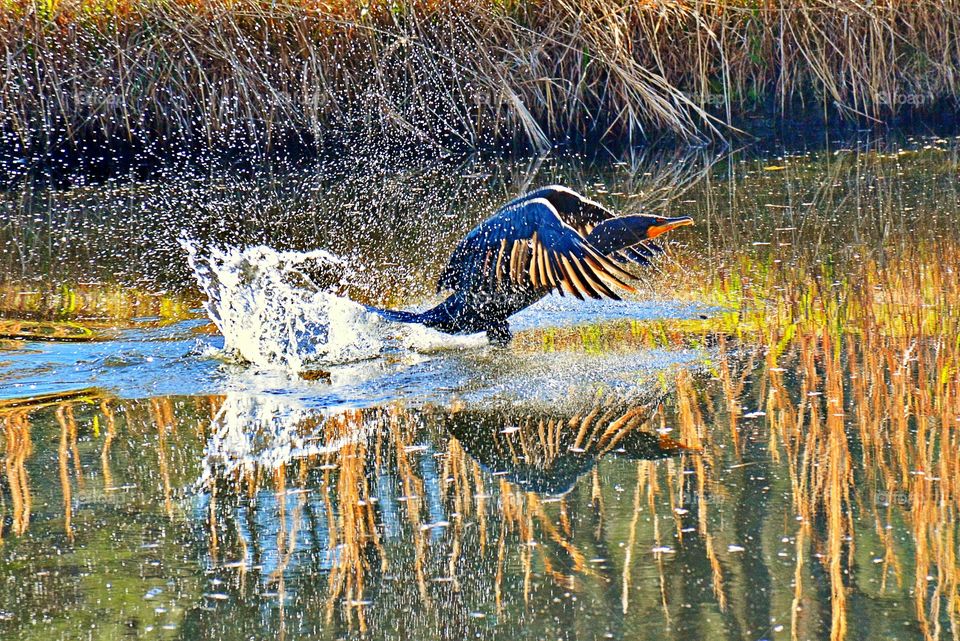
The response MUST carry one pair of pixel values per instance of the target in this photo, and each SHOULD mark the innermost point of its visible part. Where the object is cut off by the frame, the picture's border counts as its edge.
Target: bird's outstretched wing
(575, 209)
(526, 245)
(584, 215)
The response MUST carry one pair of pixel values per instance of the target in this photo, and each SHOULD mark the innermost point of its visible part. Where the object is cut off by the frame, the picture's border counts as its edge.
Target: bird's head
(659, 225)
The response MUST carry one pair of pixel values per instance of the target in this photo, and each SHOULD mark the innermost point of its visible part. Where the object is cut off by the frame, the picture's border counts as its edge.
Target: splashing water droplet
(257, 300)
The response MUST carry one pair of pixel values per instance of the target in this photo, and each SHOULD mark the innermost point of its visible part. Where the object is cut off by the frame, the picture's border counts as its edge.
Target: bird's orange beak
(668, 224)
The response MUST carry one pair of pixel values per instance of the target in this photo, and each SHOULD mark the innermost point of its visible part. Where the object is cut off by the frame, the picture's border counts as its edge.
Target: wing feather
(605, 275)
(592, 278)
(573, 208)
(528, 245)
(515, 260)
(548, 268)
(575, 280)
(532, 272)
(498, 269)
(567, 282)
(586, 284)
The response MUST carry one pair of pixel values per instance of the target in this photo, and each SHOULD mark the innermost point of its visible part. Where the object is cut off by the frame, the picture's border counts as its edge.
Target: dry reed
(463, 73)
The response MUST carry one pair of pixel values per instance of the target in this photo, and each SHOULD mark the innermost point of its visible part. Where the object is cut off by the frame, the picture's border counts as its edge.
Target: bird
(552, 239)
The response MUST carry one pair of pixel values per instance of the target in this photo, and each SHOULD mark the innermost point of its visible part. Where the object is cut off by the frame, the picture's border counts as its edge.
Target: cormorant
(549, 239)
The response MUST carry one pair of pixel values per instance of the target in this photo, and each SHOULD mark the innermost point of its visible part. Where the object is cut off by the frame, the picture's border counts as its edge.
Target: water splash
(272, 315)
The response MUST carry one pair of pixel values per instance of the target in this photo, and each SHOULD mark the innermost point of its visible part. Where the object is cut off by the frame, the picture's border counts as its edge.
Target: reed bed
(465, 73)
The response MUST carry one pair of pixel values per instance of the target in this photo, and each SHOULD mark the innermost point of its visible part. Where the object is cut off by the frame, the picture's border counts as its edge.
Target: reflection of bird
(550, 239)
(547, 453)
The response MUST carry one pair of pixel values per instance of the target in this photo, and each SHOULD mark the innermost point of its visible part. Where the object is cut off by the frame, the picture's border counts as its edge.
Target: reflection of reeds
(68, 436)
(869, 342)
(110, 303)
(111, 421)
(17, 448)
(511, 518)
(162, 414)
(19, 416)
(813, 428)
(693, 432)
(354, 527)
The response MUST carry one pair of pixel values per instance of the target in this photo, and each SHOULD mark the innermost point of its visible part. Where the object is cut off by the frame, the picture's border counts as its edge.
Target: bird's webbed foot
(499, 335)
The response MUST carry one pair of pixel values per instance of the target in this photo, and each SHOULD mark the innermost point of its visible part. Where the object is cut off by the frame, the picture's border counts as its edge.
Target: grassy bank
(463, 73)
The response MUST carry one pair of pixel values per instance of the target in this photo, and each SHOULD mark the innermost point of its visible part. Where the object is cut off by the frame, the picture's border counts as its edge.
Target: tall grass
(465, 73)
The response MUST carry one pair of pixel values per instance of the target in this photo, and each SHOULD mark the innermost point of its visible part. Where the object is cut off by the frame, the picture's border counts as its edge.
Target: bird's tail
(443, 317)
(396, 315)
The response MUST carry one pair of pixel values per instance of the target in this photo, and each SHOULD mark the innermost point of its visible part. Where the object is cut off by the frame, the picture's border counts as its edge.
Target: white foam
(425, 340)
(257, 298)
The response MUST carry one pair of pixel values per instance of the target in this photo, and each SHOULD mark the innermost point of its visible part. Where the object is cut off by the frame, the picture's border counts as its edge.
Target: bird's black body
(550, 239)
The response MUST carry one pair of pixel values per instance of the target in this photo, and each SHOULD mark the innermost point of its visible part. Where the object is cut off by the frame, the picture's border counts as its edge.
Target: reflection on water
(798, 506)
(785, 468)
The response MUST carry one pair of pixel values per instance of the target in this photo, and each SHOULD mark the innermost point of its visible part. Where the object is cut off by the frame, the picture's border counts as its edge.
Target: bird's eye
(660, 220)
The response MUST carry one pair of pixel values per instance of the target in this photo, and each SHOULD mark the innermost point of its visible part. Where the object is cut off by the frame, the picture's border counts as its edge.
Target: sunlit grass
(459, 73)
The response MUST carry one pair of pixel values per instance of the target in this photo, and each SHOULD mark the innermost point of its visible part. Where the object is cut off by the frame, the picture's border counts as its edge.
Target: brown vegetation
(459, 72)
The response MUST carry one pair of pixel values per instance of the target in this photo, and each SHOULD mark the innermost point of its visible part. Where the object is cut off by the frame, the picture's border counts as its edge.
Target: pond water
(763, 444)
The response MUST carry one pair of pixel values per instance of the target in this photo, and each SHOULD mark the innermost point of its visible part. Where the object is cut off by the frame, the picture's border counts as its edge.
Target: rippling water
(763, 445)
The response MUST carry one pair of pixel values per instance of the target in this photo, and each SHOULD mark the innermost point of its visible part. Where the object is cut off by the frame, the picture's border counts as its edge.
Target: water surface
(763, 445)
